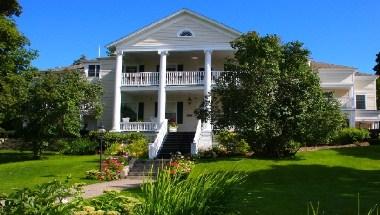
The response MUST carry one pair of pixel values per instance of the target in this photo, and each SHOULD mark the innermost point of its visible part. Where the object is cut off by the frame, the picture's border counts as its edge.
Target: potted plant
(173, 126)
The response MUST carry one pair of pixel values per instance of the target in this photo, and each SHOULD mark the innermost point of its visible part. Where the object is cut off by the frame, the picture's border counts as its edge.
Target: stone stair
(176, 142)
(139, 169)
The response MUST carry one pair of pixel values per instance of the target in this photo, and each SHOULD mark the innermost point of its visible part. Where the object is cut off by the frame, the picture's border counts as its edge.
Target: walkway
(94, 190)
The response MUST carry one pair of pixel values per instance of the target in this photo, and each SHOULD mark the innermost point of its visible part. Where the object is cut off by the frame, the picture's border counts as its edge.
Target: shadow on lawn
(288, 189)
(9, 157)
(361, 152)
(18, 156)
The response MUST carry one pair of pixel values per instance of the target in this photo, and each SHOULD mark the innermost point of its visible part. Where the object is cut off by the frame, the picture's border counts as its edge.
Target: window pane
(360, 101)
(91, 70)
(97, 70)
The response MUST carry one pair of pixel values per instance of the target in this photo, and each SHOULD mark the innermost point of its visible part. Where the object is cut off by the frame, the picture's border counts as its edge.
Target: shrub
(232, 143)
(117, 137)
(138, 148)
(79, 146)
(48, 198)
(202, 194)
(116, 149)
(111, 203)
(351, 135)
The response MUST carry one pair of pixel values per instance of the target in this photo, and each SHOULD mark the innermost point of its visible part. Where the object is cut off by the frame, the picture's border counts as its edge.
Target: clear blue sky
(336, 31)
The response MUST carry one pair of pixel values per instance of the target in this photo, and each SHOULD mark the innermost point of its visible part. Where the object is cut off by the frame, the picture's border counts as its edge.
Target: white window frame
(96, 74)
(185, 29)
(365, 101)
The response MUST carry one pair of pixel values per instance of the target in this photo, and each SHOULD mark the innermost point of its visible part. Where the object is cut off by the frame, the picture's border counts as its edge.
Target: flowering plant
(111, 170)
(180, 166)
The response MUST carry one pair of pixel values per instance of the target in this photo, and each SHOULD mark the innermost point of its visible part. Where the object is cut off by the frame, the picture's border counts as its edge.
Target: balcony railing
(138, 126)
(184, 78)
(345, 101)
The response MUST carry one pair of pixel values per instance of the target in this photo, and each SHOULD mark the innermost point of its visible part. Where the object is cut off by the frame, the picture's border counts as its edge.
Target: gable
(165, 35)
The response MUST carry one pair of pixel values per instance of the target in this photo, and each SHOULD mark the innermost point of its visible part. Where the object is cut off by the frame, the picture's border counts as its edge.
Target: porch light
(189, 100)
(101, 131)
(194, 58)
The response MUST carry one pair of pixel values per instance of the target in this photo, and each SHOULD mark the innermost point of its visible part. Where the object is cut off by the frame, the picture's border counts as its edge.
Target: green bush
(138, 148)
(112, 202)
(116, 149)
(232, 143)
(48, 198)
(79, 146)
(117, 137)
(351, 135)
(202, 194)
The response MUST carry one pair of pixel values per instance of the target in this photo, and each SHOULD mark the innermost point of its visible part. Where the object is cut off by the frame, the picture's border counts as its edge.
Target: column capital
(208, 51)
(118, 53)
(163, 52)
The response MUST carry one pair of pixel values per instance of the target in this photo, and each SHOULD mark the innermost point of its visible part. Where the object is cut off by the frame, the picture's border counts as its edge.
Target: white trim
(185, 29)
(168, 18)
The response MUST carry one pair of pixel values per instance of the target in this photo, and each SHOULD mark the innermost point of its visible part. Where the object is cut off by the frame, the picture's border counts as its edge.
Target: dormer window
(185, 33)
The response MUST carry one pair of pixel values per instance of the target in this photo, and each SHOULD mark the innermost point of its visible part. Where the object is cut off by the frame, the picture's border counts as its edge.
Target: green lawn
(332, 177)
(17, 170)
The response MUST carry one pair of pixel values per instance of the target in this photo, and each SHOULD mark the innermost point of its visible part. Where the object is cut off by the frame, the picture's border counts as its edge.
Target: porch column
(117, 92)
(352, 97)
(161, 89)
(207, 85)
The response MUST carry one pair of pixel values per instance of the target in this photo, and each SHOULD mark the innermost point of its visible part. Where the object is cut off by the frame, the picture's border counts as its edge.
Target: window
(185, 33)
(93, 70)
(130, 69)
(360, 101)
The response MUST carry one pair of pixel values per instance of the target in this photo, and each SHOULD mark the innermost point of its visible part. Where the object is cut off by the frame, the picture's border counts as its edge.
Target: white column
(162, 86)
(207, 85)
(352, 97)
(117, 93)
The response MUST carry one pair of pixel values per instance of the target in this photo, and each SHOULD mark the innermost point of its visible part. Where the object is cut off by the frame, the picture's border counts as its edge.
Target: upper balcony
(183, 78)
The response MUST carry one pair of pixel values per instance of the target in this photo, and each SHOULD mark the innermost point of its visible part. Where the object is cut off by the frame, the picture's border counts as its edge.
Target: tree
(272, 98)
(54, 105)
(10, 8)
(80, 59)
(111, 51)
(15, 60)
(376, 68)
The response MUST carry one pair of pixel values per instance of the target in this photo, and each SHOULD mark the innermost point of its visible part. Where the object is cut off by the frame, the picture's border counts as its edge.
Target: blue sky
(343, 32)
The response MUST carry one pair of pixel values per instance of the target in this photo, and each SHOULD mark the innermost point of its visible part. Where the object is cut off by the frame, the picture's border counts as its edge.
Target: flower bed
(111, 170)
(180, 166)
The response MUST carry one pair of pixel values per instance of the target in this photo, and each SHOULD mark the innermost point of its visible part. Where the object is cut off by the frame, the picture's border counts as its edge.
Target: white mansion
(163, 71)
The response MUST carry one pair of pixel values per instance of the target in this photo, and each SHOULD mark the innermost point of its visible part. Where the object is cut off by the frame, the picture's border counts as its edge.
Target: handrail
(197, 136)
(138, 126)
(173, 78)
(156, 145)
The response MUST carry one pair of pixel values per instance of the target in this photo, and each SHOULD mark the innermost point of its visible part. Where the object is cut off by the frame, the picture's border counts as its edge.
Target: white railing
(367, 114)
(172, 78)
(138, 126)
(185, 78)
(215, 75)
(140, 79)
(197, 136)
(156, 145)
(345, 101)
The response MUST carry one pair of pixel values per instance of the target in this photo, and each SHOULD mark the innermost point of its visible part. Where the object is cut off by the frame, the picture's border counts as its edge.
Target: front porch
(139, 110)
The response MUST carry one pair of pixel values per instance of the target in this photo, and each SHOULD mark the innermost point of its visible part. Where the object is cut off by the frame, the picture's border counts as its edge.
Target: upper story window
(93, 70)
(185, 33)
(360, 101)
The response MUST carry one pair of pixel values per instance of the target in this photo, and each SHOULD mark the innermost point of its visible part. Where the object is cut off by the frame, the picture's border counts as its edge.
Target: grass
(331, 177)
(18, 170)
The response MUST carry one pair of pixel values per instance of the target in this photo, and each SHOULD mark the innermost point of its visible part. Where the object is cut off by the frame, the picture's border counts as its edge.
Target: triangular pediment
(198, 32)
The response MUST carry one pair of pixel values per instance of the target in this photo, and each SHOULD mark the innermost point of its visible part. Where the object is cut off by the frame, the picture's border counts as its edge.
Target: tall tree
(15, 60)
(55, 103)
(272, 98)
(376, 68)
